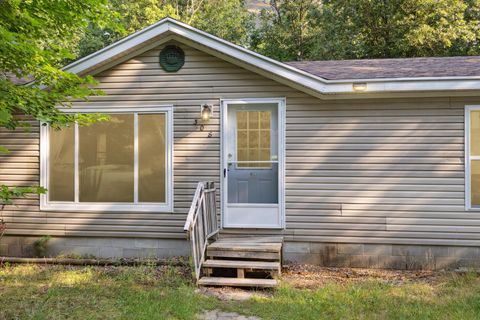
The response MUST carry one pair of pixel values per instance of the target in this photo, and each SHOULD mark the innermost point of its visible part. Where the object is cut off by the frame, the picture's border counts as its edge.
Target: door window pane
(61, 165)
(106, 160)
(151, 157)
(253, 138)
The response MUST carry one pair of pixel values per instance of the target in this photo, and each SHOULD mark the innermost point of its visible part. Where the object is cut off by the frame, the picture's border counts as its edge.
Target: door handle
(225, 173)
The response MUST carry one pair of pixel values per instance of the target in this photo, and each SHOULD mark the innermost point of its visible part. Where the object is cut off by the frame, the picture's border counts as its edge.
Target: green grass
(373, 300)
(63, 292)
(147, 292)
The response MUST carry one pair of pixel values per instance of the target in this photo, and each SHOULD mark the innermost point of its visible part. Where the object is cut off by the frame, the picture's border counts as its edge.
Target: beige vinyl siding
(136, 82)
(378, 171)
(388, 171)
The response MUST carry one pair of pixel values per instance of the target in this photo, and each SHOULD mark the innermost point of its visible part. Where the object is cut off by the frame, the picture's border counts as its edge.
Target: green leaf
(4, 150)
(5, 116)
(7, 194)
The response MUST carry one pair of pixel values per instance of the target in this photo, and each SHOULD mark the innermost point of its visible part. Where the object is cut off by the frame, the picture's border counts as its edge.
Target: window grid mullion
(76, 164)
(135, 157)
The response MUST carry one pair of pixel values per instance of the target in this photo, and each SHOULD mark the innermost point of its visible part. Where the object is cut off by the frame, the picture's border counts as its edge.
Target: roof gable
(306, 80)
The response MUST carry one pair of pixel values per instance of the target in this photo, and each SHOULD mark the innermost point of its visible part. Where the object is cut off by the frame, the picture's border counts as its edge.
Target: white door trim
(281, 154)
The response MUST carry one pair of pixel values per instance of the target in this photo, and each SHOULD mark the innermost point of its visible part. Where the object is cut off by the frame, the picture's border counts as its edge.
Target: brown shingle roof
(392, 68)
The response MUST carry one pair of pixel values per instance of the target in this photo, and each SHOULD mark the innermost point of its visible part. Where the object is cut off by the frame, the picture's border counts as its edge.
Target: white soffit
(300, 79)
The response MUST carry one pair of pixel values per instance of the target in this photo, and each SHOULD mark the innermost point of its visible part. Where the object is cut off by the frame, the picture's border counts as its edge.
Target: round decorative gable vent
(172, 58)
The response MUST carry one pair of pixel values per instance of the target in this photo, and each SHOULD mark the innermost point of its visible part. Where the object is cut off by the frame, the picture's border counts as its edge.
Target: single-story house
(362, 163)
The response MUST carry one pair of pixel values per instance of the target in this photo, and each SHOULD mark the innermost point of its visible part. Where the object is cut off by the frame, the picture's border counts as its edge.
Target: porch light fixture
(359, 87)
(206, 111)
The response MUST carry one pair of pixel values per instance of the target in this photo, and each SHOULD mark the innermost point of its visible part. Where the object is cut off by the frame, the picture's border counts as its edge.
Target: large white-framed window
(472, 157)
(124, 164)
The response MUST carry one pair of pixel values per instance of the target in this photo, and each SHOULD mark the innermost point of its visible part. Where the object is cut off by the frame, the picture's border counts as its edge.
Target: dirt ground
(310, 276)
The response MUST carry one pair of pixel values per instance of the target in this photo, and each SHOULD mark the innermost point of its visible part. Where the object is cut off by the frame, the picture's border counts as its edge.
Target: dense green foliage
(345, 29)
(288, 31)
(398, 28)
(314, 29)
(35, 40)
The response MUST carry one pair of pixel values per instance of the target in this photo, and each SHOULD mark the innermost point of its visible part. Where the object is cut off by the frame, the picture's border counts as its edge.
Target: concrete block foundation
(384, 256)
(406, 257)
(15, 246)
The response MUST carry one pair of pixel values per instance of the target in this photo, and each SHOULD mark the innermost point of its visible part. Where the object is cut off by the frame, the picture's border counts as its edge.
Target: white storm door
(252, 164)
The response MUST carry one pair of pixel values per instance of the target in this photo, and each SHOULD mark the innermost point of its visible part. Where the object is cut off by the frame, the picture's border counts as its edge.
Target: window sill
(107, 207)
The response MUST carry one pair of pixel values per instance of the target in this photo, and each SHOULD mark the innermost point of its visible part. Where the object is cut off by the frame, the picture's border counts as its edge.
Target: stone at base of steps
(221, 315)
(237, 282)
(232, 293)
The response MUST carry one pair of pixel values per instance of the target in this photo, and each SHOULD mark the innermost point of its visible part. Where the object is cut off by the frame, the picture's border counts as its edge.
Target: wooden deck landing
(243, 262)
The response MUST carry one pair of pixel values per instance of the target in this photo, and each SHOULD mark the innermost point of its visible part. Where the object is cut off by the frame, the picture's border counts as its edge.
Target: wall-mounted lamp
(359, 87)
(206, 111)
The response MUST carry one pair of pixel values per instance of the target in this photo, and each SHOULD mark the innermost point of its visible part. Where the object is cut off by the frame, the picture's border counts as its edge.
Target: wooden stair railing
(201, 223)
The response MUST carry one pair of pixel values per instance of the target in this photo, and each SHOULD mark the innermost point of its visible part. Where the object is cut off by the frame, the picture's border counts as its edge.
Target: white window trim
(47, 205)
(468, 159)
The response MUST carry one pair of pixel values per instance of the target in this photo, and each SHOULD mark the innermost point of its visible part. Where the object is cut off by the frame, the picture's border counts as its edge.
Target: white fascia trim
(404, 79)
(305, 79)
(121, 46)
(253, 58)
(405, 86)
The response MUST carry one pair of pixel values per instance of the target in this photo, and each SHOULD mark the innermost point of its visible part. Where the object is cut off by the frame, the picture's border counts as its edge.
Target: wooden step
(247, 246)
(243, 254)
(237, 282)
(242, 264)
(250, 239)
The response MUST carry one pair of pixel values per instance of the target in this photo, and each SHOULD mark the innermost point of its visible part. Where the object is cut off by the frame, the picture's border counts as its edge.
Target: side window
(472, 161)
(120, 164)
